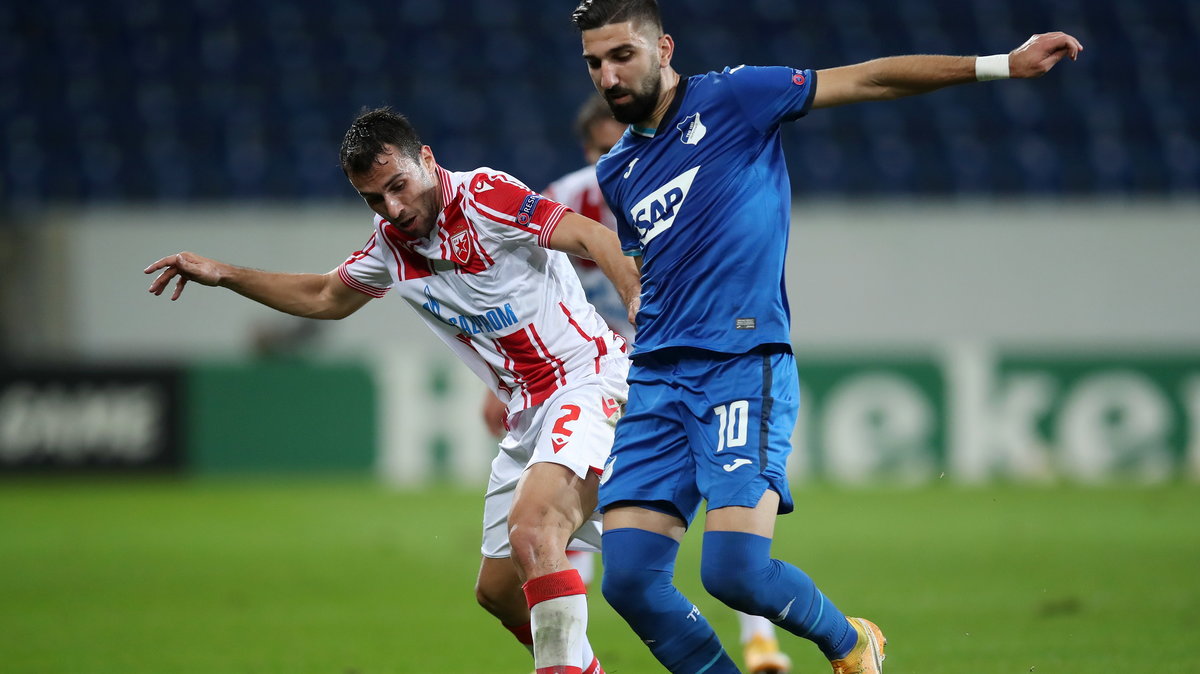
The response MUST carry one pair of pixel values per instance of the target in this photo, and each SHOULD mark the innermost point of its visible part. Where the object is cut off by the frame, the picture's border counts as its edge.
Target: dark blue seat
(129, 86)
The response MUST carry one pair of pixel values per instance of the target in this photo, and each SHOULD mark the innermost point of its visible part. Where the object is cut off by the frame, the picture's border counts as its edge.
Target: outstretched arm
(898, 76)
(307, 295)
(584, 237)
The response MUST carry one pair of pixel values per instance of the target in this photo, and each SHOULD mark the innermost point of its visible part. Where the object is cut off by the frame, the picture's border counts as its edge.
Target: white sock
(558, 619)
(753, 625)
(589, 656)
(558, 631)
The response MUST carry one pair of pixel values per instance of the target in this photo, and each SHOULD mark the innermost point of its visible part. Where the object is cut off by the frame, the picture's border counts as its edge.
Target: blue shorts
(704, 426)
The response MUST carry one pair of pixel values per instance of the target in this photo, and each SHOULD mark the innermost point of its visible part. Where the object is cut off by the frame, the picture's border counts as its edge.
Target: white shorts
(573, 428)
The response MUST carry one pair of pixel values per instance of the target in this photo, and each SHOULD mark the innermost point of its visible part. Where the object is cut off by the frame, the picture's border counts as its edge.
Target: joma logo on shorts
(656, 213)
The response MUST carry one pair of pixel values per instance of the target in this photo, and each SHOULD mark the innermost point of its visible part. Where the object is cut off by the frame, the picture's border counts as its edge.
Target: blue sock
(737, 568)
(639, 567)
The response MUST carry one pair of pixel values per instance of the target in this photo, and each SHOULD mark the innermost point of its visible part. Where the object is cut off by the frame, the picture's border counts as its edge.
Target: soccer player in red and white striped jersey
(481, 259)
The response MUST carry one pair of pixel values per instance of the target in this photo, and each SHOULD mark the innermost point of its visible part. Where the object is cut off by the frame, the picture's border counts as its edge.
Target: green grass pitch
(339, 577)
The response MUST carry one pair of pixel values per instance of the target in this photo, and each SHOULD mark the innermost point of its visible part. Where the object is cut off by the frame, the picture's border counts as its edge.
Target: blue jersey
(706, 202)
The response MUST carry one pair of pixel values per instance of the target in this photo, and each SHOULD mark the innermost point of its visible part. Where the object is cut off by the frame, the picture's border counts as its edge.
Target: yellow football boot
(867, 655)
(762, 656)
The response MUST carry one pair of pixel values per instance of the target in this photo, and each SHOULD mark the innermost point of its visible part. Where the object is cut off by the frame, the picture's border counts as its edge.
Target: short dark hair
(593, 110)
(596, 13)
(370, 131)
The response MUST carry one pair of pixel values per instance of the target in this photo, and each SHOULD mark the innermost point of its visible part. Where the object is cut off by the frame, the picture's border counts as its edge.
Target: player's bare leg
(498, 591)
(550, 504)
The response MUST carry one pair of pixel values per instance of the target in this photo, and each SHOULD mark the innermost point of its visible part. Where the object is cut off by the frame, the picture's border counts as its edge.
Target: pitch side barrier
(239, 417)
(963, 414)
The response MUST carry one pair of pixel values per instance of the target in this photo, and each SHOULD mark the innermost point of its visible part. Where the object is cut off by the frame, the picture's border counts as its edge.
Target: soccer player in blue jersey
(701, 196)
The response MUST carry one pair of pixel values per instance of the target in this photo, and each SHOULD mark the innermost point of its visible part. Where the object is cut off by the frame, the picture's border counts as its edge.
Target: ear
(427, 160)
(666, 49)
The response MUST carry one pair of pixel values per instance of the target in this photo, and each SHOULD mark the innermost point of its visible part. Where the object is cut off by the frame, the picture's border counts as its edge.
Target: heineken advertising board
(963, 414)
(1092, 419)
(863, 419)
(973, 415)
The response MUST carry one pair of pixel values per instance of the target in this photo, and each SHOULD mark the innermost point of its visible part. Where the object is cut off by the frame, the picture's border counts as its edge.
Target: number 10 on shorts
(733, 419)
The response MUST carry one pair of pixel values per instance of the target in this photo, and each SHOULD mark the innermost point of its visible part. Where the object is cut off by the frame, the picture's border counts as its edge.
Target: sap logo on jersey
(656, 213)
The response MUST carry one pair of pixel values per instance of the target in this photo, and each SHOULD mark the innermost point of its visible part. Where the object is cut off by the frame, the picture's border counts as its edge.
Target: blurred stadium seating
(148, 100)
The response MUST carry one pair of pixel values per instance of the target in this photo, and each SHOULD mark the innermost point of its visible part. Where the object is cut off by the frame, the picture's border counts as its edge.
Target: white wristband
(994, 67)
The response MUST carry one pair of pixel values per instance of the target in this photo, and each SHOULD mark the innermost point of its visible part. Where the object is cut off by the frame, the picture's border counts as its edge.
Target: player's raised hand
(1040, 53)
(186, 267)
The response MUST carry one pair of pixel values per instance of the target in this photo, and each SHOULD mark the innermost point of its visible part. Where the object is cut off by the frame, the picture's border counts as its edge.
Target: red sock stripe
(594, 668)
(523, 633)
(553, 586)
(559, 669)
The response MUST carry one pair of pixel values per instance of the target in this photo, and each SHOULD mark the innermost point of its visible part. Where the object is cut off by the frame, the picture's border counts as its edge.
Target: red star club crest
(460, 248)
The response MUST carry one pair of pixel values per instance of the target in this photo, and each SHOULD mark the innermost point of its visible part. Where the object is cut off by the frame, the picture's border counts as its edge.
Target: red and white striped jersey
(579, 191)
(485, 282)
